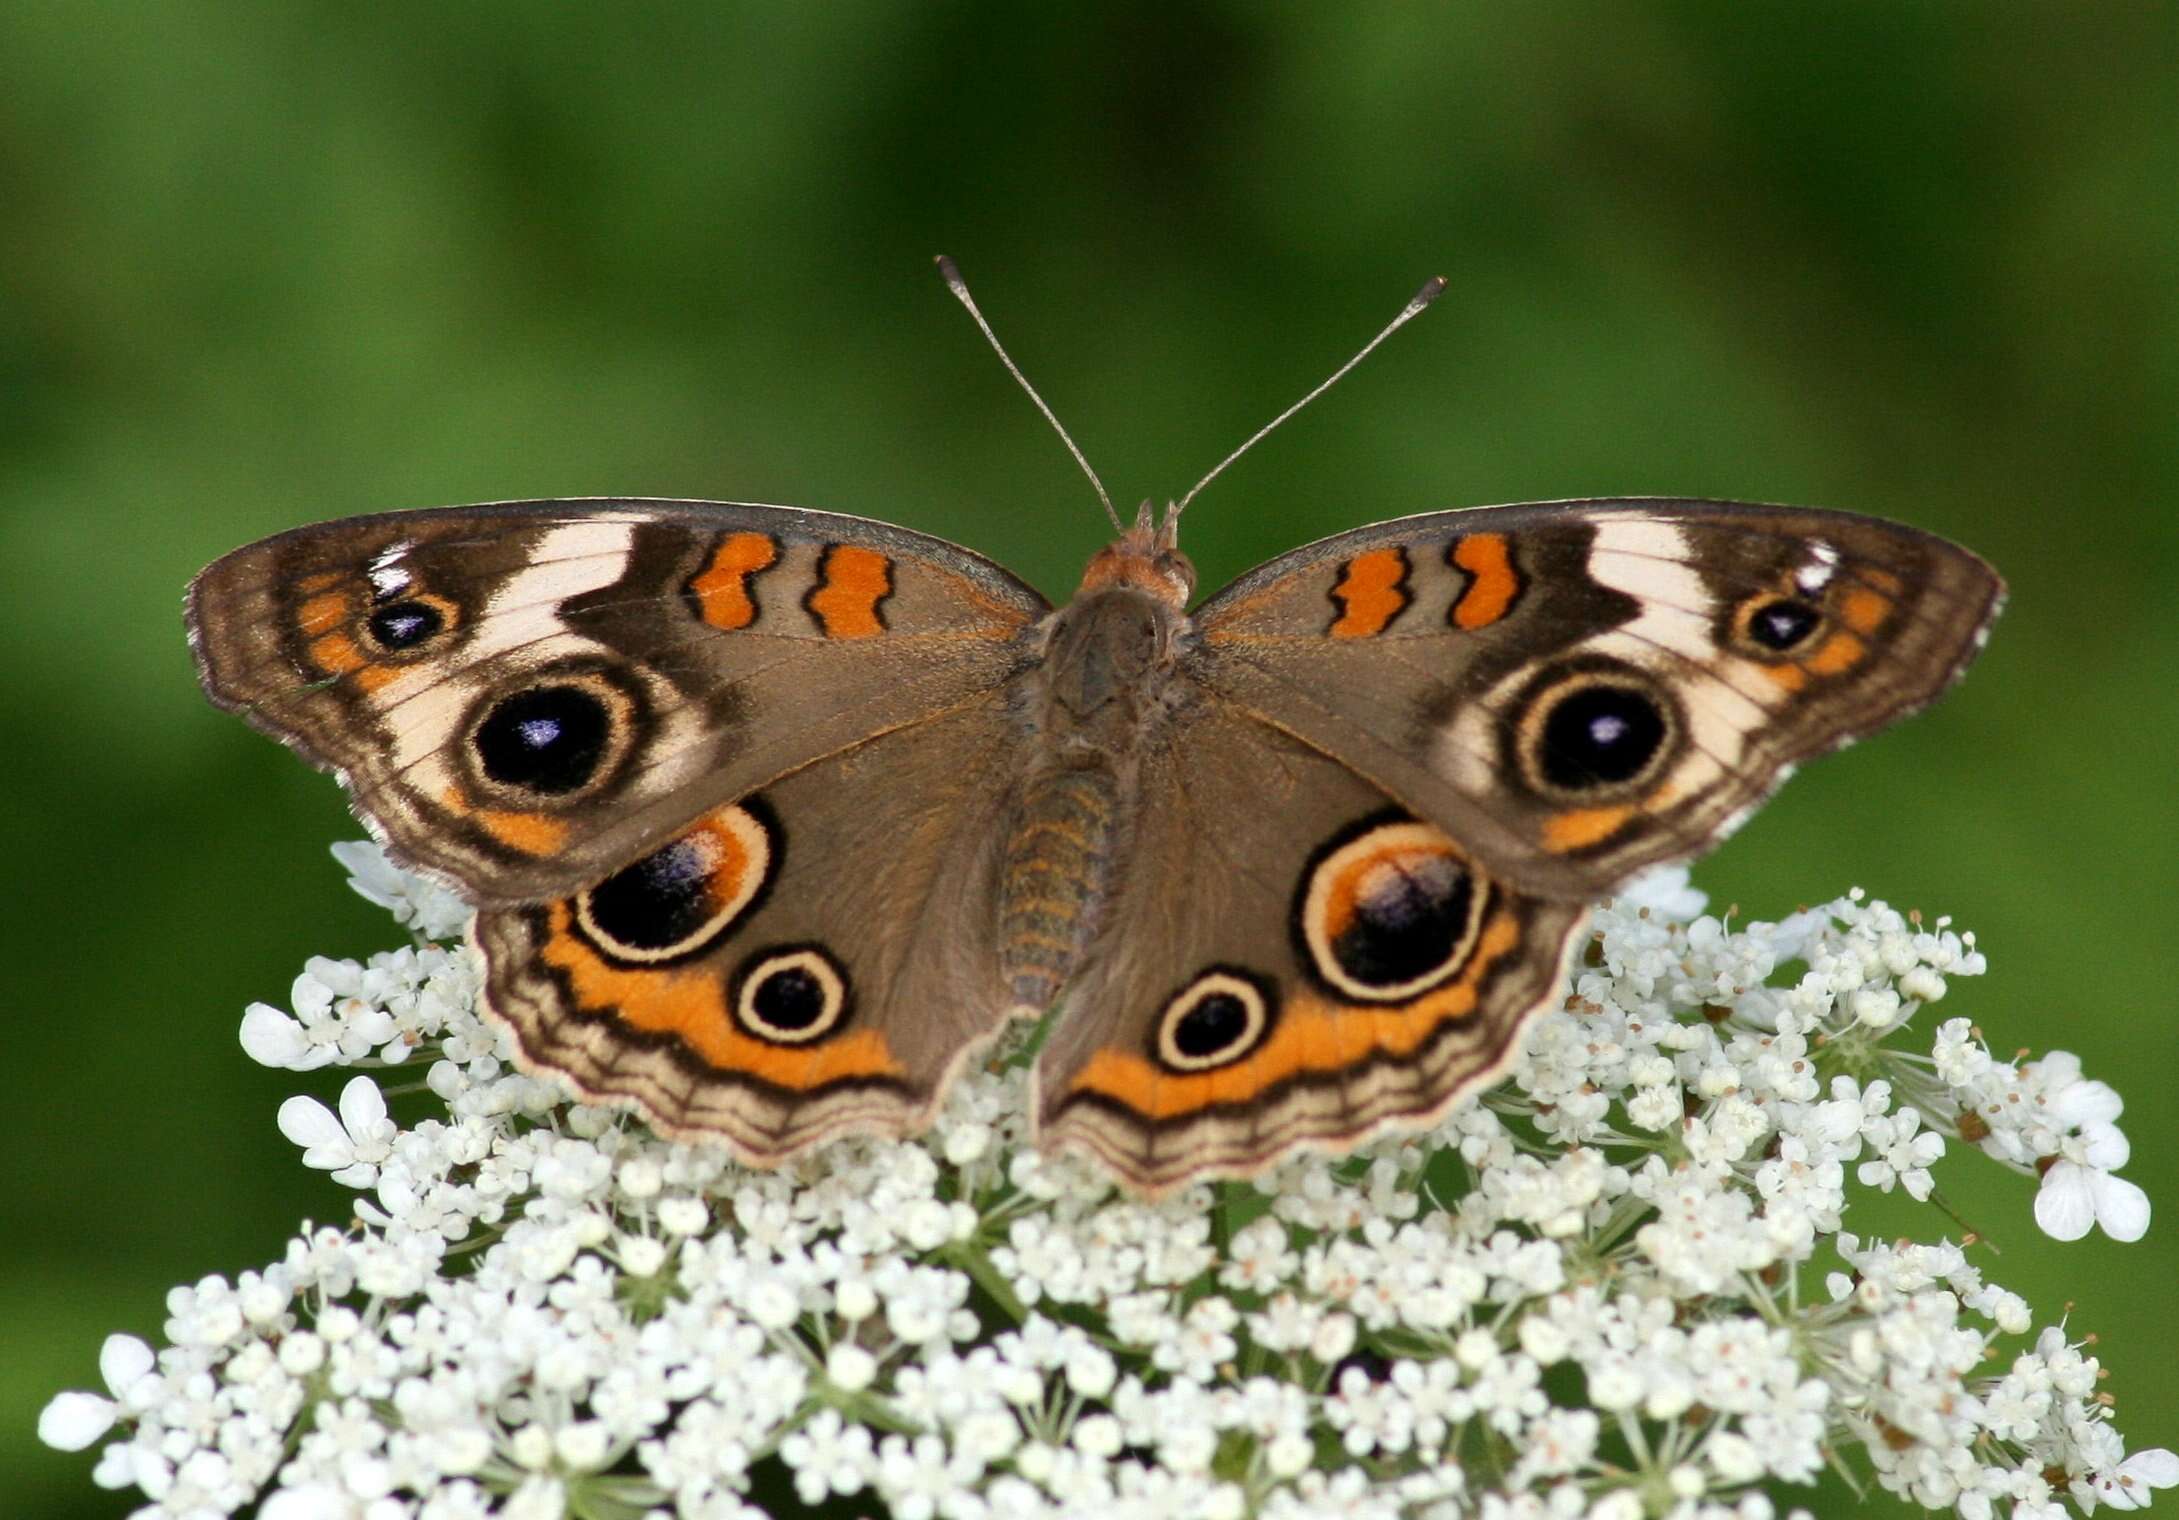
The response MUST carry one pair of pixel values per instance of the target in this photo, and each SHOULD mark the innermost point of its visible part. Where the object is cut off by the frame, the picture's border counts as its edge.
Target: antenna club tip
(950, 272)
(1432, 288)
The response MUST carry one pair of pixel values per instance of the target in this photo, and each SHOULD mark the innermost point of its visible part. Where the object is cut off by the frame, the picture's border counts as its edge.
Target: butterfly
(776, 819)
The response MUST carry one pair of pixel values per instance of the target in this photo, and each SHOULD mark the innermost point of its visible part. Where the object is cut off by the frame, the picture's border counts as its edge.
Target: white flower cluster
(1594, 1292)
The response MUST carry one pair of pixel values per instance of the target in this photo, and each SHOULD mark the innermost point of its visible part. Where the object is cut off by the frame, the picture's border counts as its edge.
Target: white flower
(2127, 1486)
(1664, 891)
(829, 1457)
(917, 1476)
(542, 1309)
(271, 1038)
(2073, 1100)
(2076, 1195)
(72, 1421)
(1905, 1153)
(416, 903)
(351, 1147)
(850, 1368)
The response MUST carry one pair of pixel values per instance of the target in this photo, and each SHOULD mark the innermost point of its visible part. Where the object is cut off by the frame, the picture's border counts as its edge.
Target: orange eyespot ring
(678, 900)
(1389, 909)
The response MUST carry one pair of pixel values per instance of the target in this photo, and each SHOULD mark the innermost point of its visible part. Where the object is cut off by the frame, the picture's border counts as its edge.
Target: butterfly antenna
(1431, 290)
(952, 275)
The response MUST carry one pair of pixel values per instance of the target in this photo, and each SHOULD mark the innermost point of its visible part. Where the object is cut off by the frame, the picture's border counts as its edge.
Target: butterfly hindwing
(812, 959)
(1331, 968)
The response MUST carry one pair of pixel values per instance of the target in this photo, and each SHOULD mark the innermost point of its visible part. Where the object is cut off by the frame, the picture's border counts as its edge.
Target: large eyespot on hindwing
(554, 740)
(1387, 909)
(678, 900)
(1220, 1017)
(792, 995)
(1596, 732)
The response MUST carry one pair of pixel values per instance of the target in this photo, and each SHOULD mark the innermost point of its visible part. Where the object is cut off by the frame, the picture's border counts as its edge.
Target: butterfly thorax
(1106, 661)
(1099, 695)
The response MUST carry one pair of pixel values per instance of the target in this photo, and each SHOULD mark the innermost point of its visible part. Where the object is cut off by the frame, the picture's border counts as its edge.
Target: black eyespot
(404, 625)
(659, 901)
(678, 900)
(1387, 908)
(789, 998)
(792, 997)
(549, 739)
(1214, 1023)
(1782, 624)
(1215, 1020)
(1599, 735)
(1410, 915)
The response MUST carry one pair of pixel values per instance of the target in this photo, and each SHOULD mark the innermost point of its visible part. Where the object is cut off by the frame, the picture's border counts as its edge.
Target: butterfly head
(1147, 557)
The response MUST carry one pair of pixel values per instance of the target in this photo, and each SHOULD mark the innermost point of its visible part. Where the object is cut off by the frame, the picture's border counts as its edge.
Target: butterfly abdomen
(1058, 856)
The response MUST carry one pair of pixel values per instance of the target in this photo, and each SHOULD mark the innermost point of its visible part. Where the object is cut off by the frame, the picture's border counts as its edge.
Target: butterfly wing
(1577, 690)
(526, 697)
(1291, 959)
(812, 959)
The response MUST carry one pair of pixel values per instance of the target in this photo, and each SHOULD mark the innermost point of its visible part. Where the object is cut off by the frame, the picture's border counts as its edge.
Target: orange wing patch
(852, 582)
(1371, 593)
(324, 620)
(721, 590)
(538, 834)
(321, 613)
(1314, 1037)
(336, 654)
(1578, 828)
(1839, 653)
(1864, 610)
(688, 1003)
(1493, 583)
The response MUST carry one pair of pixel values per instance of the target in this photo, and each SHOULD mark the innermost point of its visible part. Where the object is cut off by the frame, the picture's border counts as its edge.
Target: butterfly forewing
(1578, 690)
(525, 697)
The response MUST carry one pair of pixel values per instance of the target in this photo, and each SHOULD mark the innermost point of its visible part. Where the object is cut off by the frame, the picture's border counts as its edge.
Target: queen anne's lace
(1593, 1291)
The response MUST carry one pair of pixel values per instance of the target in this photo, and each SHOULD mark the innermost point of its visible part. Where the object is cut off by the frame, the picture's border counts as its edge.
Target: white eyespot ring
(1214, 1021)
(792, 997)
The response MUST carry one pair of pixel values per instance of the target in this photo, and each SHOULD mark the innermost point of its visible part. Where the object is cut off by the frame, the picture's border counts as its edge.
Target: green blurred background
(263, 264)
